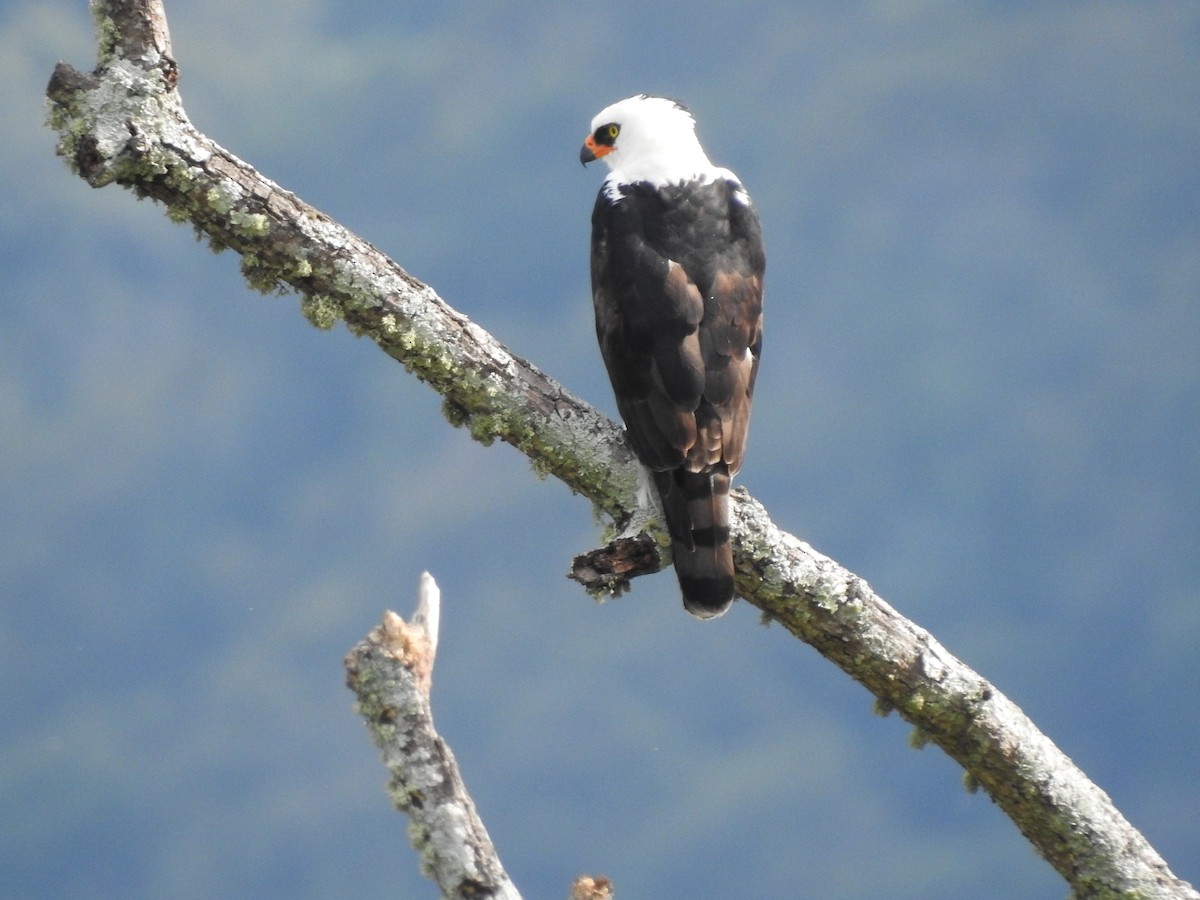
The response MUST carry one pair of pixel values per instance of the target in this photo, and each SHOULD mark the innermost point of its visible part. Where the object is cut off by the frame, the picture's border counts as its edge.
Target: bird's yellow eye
(606, 135)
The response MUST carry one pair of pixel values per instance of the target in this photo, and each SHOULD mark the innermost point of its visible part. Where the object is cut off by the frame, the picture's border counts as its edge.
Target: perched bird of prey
(677, 281)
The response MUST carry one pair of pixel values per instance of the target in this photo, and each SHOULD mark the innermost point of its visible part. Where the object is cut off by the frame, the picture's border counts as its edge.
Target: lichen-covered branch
(390, 672)
(1071, 821)
(124, 124)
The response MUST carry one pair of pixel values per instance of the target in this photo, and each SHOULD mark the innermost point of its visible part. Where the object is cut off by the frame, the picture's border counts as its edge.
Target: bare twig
(390, 672)
(124, 123)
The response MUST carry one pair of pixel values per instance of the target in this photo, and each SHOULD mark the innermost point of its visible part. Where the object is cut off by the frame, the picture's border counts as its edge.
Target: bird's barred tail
(696, 507)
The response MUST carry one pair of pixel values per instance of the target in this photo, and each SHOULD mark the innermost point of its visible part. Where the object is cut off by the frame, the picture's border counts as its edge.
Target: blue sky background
(980, 391)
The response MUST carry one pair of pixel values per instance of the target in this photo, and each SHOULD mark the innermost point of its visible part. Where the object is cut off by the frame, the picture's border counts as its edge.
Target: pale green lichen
(253, 225)
(261, 276)
(418, 834)
(543, 466)
(70, 125)
(156, 162)
(321, 310)
(221, 198)
(268, 277)
(421, 839)
(455, 414)
(483, 432)
(480, 404)
(426, 358)
(108, 36)
(918, 738)
(67, 115)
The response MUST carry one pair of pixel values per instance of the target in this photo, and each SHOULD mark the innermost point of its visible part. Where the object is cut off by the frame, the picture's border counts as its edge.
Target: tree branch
(124, 123)
(390, 672)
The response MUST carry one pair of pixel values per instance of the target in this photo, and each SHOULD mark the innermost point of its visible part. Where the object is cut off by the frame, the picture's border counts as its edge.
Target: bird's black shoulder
(677, 288)
(702, 224)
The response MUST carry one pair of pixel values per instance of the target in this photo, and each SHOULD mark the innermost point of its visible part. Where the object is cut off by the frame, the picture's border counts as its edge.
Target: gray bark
(390, 672)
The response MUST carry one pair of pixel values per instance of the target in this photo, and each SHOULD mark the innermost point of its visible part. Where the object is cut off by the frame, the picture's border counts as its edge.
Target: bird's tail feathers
(696, 509)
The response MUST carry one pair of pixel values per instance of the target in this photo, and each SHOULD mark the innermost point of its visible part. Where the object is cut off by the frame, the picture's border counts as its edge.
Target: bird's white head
(649, 139)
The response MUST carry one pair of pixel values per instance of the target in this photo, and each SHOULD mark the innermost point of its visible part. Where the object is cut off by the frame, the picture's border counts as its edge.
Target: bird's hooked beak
(591, 151)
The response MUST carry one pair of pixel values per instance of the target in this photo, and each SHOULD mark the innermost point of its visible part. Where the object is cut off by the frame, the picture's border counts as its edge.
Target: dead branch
(390, 672)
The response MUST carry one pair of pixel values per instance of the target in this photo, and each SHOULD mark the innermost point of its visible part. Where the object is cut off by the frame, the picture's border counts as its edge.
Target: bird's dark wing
(731, 332)
(677, 289)
(648, 315)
